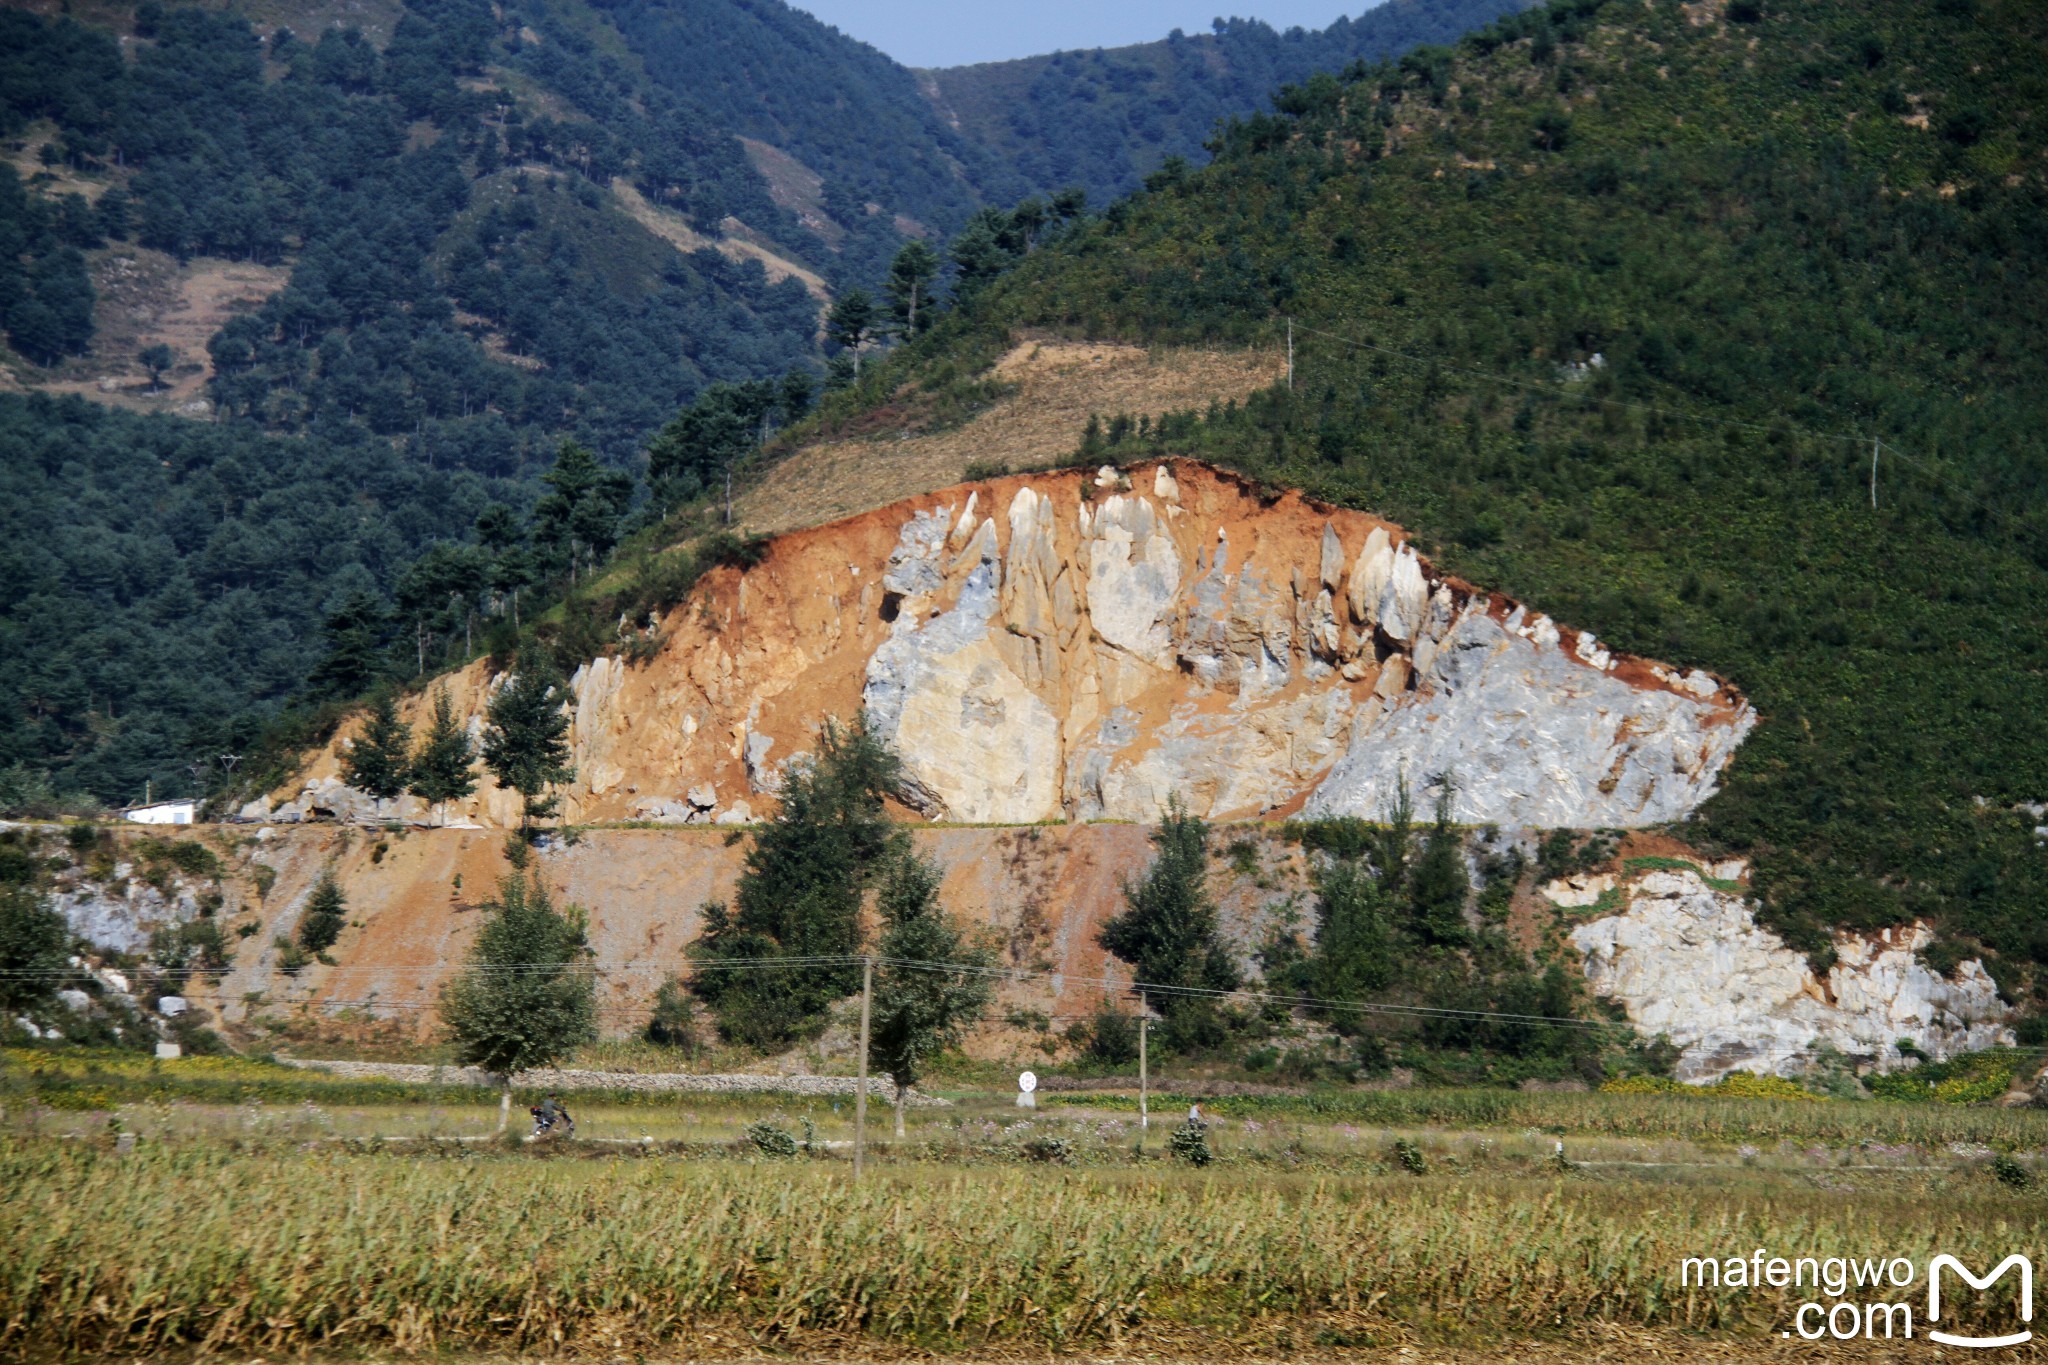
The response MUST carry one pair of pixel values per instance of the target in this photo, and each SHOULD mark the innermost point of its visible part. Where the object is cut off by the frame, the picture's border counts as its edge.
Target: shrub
(770, 1140)
(1052, 1151)
(674, 1022)
(1112, 1037)
(326, 915)
(2011, 1173)
(1190, 1142)
(1409, 1157)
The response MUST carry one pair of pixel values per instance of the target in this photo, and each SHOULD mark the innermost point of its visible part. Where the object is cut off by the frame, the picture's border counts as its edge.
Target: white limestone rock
(1690, 962)
(976, 742)
(1527, 735)
(1134, 577)
(1369, 577)
(1403, 600)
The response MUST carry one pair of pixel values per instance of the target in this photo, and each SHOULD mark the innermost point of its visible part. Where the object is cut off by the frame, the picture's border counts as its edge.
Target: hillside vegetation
(1106, 118)
(468, 232)
(1609, 302)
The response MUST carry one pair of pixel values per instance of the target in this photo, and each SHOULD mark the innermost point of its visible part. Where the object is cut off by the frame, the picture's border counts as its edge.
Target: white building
(163, 813)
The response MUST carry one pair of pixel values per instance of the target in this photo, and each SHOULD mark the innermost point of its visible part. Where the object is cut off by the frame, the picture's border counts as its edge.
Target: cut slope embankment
(1070, 645)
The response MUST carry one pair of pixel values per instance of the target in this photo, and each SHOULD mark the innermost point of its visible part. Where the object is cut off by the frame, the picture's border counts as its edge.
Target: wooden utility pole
(1144, 1115)
(860, 1098)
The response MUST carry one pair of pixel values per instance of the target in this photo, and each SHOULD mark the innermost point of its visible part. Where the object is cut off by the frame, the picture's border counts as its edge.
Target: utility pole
(1290, 355)
(1144, 1086)
(860, 1098)
(1873, 473)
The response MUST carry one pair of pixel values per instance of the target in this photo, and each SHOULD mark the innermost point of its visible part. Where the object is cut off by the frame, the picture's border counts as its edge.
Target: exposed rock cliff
(1083, 646)
(1688, 960)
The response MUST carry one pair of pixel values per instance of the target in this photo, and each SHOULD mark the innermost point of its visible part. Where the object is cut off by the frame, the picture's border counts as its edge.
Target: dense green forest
(1106, 118)
(162, 580)
(465, 291)
(1609, 302)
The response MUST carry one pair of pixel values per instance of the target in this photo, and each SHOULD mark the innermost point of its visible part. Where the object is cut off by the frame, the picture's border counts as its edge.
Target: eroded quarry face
(1085, 646)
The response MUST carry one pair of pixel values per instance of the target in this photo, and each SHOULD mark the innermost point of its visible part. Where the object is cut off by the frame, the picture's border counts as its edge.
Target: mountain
(349, 276)
(1106, 118)
(1711, 329)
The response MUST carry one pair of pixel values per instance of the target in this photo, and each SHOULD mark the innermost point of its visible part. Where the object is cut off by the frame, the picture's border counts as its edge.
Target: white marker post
(1027, 1085)
(1144, 1117)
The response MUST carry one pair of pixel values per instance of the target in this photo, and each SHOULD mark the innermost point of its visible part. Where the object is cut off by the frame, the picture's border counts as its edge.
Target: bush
(1190, 1142)
(2011, 1173)
(1050, 1150)
(770, 1140)
(1972, 1078)
(1409, 1157)
(674, 1023)
(326, 916)
(1111, 1037)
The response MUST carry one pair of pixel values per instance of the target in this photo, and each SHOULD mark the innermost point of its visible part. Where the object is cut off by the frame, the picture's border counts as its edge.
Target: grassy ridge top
(1783, 230)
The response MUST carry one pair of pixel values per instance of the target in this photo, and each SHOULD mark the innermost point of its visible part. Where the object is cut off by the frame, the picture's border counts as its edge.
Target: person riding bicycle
(550, 1113)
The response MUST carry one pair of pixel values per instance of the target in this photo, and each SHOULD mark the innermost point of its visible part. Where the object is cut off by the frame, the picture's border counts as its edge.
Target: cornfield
(282, 1249)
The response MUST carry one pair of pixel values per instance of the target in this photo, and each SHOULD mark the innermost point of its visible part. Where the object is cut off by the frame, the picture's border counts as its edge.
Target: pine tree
(355, 648)
(918, 1011)
(800, 895)
(443, 770)
(910, 286)
(1168, 933)
(378, 762)
(326, 915)
(1439, 885)
(852, 322)
(526, 996)
(526, 746)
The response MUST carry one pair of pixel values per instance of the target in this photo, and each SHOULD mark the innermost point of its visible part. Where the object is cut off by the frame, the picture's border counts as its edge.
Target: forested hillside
(1610, 302)
(462, 290)
(1106, 118)
(476, 231)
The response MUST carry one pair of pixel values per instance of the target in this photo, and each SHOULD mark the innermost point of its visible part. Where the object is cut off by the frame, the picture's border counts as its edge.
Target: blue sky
(955, 32)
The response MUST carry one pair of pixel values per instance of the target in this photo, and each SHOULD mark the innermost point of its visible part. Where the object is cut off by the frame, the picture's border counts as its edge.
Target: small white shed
(163, 813)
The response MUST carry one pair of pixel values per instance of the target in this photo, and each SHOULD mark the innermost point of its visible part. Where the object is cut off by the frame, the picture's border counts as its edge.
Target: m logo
(2026, 1268)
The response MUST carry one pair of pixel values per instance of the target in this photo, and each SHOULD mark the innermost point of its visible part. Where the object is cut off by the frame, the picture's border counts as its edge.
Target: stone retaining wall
(645, 1082)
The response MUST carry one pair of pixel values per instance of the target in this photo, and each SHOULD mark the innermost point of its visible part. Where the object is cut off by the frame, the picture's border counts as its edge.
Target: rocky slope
(1677, 946)
(1687, 959)
(1084, 646)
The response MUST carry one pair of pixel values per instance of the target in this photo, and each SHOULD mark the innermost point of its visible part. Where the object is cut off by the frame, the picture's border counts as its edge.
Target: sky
(957, 32)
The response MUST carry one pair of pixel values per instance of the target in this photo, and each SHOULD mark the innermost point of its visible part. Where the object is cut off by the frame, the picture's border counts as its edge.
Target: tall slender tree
(379, 760)
(526, 745)
(444, 768)
(1439, 885)
(919, 1011)
(909, 286)
(851, 323)
(1168, 931)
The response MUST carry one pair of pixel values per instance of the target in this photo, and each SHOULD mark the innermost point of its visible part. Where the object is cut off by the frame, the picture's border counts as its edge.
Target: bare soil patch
(1058, 386)
(672, 228)
(146, 297)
